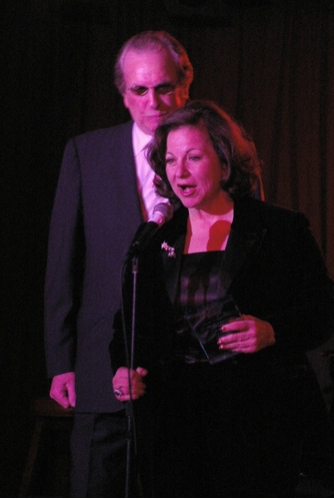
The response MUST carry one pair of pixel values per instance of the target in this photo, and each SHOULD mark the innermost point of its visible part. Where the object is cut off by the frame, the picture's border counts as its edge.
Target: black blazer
(273, 268)
(96, 212)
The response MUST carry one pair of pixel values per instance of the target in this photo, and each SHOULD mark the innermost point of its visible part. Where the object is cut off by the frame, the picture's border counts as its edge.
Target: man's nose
(153, 97)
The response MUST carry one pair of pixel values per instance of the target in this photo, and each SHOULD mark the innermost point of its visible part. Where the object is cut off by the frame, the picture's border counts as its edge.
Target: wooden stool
(46, 473)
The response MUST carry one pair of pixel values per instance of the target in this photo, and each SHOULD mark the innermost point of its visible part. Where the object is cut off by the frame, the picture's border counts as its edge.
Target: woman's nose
(181, 168)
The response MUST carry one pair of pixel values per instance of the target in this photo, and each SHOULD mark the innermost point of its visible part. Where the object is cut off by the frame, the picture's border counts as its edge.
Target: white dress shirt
(145, 175)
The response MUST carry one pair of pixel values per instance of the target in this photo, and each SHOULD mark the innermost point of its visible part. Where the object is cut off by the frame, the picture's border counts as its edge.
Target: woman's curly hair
(232, 144)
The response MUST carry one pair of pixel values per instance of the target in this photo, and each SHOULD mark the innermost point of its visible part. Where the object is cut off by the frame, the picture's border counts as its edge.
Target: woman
(231, 294)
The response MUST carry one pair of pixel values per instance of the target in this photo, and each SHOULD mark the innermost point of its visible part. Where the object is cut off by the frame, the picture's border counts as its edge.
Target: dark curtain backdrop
(269, 63)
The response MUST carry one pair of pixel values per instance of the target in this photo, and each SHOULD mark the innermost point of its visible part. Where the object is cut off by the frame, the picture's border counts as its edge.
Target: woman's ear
(184, 94)
(224, 171)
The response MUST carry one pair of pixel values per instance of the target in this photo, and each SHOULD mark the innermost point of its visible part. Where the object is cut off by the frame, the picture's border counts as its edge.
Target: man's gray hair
(155, 40)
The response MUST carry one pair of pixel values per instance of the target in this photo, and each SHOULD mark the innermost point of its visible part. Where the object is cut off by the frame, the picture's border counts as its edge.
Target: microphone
(162, 213)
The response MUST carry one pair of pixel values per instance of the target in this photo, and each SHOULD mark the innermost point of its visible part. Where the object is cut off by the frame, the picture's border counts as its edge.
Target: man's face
(152, 90)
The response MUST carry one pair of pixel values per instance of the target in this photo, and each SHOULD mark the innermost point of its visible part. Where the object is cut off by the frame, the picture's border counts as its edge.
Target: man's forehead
(142, 66)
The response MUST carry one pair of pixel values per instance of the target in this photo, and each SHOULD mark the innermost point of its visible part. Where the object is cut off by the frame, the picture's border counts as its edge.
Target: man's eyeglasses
(163, 89)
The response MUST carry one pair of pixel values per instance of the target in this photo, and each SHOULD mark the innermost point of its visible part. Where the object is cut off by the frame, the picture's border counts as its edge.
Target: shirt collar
(139, 139)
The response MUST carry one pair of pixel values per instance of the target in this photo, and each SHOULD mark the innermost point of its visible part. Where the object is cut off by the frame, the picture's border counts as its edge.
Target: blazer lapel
(239, 248)
(174, 238)
(172, 266)
(246, 236)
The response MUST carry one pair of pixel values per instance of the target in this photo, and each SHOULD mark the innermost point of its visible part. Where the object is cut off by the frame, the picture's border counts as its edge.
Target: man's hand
(129, 384)
(63, 389)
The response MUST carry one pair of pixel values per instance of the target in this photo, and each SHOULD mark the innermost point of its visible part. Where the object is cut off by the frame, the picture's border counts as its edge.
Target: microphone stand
(129, 406)
(161, 213)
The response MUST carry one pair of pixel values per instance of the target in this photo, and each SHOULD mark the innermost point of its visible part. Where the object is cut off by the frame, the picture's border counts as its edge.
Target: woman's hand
(125, 379)
(246, 334)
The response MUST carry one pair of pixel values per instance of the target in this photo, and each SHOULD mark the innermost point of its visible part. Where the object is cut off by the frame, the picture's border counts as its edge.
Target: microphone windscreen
(162, 213)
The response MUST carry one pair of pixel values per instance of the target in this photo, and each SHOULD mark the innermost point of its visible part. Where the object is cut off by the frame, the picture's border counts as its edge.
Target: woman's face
(193, 167)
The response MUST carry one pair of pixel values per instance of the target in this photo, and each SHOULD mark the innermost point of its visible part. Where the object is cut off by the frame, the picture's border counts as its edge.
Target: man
(105, 191)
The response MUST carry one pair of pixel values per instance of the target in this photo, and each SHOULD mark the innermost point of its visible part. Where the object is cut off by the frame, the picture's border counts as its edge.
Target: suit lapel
(123, 158)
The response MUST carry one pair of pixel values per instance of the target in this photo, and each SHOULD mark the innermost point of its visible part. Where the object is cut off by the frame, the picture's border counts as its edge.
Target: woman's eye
(194, 158)
(169, 161)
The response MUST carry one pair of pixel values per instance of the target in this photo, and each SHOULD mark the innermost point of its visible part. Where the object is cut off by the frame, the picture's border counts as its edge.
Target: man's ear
(125, 100)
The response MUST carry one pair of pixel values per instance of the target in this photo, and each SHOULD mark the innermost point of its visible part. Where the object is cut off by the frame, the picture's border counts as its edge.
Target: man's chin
(151, 124)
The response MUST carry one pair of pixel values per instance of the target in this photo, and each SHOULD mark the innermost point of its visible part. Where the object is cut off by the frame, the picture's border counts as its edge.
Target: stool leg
(29, 466)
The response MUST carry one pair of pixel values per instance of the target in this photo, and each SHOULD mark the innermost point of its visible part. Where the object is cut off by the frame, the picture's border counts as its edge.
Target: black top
(198, 295)
(199, 279)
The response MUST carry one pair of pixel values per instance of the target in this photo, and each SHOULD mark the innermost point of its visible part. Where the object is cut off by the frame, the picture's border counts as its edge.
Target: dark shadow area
(269, 63)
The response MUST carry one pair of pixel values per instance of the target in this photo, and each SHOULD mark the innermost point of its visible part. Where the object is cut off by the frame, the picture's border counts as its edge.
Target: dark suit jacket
(96, 212)
(273, 268)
